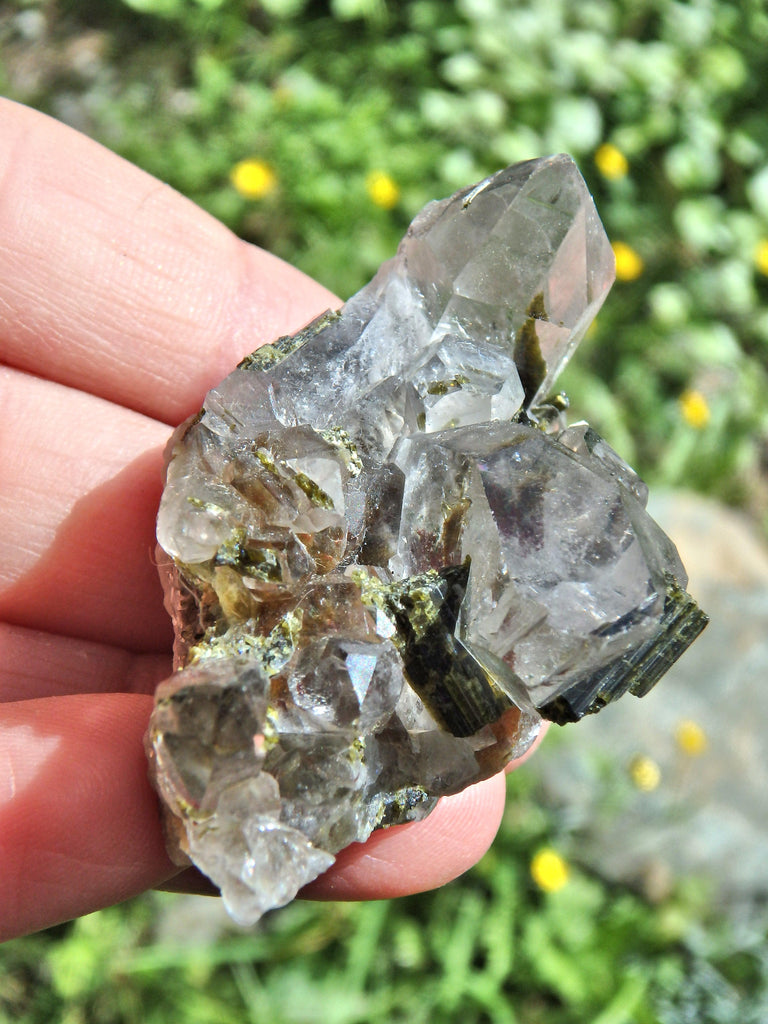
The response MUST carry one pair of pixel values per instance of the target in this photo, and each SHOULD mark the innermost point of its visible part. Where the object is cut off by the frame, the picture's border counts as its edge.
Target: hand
(121, 303)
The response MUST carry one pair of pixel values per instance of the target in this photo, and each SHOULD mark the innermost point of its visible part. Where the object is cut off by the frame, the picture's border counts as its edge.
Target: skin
(121, 303)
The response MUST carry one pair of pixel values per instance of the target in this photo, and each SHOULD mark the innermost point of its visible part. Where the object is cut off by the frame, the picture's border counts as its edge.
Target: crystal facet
(387, 557)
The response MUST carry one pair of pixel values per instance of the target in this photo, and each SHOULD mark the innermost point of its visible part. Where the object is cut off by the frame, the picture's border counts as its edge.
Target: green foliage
(437, 93)
(491, 948)
(172, 8)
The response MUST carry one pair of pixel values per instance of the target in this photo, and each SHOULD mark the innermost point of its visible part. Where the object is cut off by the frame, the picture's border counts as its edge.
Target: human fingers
(79, 821)
(80, 481)
(37, 664)
(112, 283)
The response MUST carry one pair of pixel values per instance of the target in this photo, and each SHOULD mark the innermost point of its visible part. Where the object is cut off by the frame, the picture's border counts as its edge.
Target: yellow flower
(694, 409)
(690, 738)
(382, 189)
(253, 179)
(761, 256)
(611, 162)
(645, 773)
(549, 870)
(629, 264)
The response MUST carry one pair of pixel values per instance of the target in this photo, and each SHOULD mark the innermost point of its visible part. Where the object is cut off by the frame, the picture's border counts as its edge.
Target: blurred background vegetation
(317, 128)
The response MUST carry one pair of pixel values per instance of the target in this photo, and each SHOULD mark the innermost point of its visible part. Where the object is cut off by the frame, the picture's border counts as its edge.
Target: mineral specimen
(386, 556)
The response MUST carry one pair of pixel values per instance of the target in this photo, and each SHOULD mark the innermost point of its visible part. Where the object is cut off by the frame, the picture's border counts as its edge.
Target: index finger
(113, 283)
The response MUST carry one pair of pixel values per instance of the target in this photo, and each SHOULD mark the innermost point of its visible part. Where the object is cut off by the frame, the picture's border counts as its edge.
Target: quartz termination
(386, 556)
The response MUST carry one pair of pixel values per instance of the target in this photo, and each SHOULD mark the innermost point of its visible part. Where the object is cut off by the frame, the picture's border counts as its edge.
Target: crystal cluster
(387, 557)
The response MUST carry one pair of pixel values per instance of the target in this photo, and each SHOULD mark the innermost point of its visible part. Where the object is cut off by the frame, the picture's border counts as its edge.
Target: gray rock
(706, 734)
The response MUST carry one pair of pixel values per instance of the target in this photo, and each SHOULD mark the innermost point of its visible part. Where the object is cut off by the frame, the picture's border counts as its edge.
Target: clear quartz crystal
(386, 556)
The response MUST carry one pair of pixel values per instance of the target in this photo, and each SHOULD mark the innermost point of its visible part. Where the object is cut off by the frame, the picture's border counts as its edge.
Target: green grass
(491, 947)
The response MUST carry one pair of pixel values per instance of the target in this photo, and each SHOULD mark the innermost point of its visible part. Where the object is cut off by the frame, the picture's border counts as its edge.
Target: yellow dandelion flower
(694, 409)
(253, 179)
(690, 738)
(645, 773)
(611, 162)
(629, 264)
(382, 189)
(549, 870)
(761, 256)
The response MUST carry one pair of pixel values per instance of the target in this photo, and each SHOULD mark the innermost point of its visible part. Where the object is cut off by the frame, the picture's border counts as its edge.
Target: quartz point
(387, 557)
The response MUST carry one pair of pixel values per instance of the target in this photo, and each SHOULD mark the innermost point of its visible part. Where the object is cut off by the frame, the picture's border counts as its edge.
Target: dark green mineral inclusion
(269, 355)
(453, 685)
(640, 670)
(313, 491)
(442, 387)
(527, 351)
